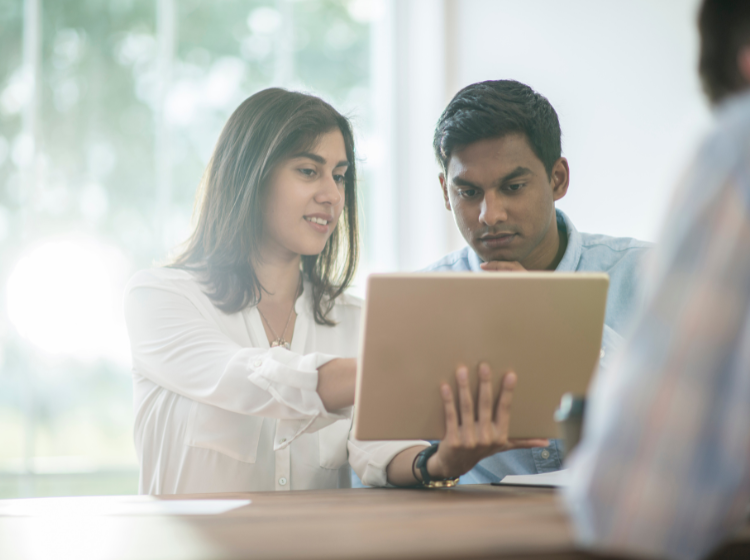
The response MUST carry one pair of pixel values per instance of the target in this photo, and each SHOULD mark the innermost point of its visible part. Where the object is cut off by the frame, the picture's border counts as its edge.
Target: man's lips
(498, 239)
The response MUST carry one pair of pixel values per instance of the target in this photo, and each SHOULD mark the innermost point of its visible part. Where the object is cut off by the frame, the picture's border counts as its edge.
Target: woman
(243, 347)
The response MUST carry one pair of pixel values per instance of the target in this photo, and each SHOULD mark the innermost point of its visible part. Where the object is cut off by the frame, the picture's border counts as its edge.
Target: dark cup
(569, 418)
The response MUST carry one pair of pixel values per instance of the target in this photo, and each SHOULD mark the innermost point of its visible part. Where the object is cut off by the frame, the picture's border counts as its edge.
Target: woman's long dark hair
(266, 129)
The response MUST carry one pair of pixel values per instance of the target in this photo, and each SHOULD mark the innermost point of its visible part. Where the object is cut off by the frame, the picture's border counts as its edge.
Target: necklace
(279, 340)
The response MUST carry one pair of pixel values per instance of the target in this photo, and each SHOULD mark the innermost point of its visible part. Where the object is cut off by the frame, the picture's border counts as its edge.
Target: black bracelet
(420, 462)
(413, 467)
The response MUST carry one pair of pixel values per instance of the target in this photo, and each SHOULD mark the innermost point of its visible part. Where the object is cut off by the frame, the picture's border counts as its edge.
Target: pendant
(281, 342)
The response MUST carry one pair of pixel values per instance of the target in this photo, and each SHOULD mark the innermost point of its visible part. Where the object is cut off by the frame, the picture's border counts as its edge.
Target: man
(664, 467)
(502, 171)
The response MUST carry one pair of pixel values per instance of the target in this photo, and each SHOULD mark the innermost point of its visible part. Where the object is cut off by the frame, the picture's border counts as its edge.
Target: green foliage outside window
(66, 421)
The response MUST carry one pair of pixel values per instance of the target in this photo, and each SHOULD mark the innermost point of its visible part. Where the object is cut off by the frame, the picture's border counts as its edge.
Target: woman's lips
(500, 240)
(315, 223)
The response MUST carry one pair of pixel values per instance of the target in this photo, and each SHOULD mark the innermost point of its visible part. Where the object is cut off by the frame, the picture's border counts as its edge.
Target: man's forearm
(399, 470)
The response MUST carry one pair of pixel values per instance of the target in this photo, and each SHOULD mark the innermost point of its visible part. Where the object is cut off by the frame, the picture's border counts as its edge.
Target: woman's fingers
(465, 401)
(502, 417)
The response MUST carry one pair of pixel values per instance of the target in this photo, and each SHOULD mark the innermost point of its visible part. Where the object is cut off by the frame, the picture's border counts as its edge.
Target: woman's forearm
(336, 381)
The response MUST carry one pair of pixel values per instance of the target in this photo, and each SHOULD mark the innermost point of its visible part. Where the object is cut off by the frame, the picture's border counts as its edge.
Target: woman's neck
(279, 277)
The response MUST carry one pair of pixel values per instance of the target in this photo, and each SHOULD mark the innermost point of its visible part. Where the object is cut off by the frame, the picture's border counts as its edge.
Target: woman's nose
(330, 192)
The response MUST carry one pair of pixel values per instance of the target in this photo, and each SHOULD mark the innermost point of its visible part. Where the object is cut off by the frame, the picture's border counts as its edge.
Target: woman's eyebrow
(319, 159)
(310, 155)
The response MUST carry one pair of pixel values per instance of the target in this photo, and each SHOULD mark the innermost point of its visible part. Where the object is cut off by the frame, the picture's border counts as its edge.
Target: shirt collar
(571, 258)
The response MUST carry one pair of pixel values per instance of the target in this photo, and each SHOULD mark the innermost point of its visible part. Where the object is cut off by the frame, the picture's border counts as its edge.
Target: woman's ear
(560, 178)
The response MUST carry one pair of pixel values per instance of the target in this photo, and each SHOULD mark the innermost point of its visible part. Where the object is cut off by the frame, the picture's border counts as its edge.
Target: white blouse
(218, 410)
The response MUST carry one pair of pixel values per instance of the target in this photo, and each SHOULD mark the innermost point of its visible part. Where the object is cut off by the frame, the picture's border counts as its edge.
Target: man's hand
(502, 266)
(470, 440)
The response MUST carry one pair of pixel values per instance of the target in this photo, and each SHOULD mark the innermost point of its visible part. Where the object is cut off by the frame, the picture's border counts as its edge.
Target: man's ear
(444, 186)
(560, 178)
(743, 63)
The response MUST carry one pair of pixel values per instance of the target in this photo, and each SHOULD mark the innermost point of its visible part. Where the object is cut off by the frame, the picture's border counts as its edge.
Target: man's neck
(550, 251)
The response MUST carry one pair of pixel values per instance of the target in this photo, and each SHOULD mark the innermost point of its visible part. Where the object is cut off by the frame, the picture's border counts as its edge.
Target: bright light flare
(65, 298)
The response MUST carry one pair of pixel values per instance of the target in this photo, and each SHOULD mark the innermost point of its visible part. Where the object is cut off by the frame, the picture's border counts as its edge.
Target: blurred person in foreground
(499, 145)
(664, 467)
(243, 347)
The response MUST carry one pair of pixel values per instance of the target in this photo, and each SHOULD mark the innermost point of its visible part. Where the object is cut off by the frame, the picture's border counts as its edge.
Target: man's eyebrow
(515, 174)
(319, 159)
(457, 180)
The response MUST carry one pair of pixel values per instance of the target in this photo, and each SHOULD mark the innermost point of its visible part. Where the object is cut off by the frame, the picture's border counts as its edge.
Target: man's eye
(516, 186)
(468, 193)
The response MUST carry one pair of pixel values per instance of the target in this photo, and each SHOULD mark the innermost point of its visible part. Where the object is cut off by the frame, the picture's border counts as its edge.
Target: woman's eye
(340, 179)
(307, 172)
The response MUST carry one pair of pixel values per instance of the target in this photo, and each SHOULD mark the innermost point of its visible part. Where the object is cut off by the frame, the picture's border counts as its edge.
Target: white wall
(407, 226)
(621, 75)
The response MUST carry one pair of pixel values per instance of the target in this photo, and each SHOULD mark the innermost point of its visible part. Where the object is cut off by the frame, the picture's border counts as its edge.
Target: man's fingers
(451, 418)
(502, 416)
(525, 443)
(484, 401)
(465, 401)
(502, 266)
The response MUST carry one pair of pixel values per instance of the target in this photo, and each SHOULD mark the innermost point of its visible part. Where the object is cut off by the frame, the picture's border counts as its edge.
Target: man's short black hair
(494, 109)
(724, 27)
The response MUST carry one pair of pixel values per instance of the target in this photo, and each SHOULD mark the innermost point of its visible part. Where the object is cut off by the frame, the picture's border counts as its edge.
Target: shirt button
(545, 454)
(282, 481)
(601, 354)
(257, 363)
(282, 440)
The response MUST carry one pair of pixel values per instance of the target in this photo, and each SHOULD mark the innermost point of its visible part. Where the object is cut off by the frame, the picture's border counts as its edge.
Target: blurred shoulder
(158, 276)
(164, 278)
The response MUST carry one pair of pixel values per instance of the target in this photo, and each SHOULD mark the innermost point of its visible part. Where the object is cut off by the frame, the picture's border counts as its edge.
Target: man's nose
(493, 210)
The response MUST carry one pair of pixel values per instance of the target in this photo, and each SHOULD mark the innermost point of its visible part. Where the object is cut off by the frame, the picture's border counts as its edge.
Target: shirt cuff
(370, 459)
(292, 380)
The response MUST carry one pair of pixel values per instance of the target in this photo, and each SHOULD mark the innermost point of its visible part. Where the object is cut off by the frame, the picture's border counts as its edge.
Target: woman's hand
(469, 438)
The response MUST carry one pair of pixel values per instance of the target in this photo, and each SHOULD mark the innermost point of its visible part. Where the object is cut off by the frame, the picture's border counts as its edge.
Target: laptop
(418, 328)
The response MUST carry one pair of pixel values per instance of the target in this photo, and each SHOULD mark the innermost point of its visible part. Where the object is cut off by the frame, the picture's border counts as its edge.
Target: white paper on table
(114, 505)
(555, 479)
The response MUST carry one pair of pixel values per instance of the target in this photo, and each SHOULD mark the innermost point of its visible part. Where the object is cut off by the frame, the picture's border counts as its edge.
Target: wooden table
(469, 522)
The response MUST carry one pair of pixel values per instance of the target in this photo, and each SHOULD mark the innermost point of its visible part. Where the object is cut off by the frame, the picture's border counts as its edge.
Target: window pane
(129, 109)
(12, 94)
(88, 223)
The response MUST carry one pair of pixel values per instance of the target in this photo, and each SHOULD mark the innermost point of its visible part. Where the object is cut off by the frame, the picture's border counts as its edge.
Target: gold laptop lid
(418, 328)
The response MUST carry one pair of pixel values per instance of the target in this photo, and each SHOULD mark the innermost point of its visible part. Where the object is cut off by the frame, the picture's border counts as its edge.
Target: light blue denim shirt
(621, 258)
